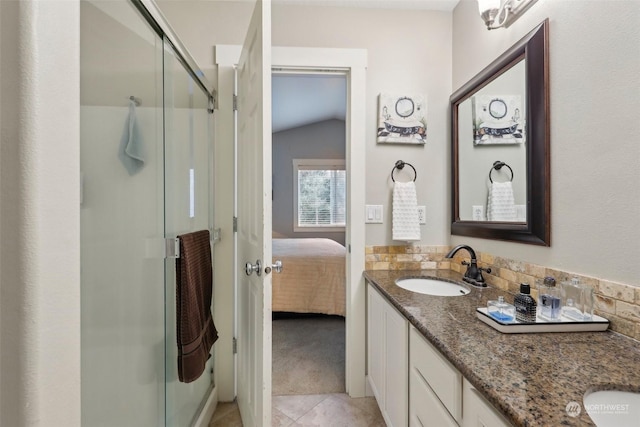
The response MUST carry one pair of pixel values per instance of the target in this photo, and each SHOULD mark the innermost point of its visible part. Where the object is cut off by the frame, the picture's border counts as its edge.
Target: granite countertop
(529, 378)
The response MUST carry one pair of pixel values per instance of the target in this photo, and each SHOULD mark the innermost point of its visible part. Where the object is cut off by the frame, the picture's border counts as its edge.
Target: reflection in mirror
(490, 129)
(500, 147)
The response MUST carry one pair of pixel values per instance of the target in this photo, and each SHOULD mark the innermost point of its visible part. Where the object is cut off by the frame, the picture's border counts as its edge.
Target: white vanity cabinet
(387, 355)
(435, 386)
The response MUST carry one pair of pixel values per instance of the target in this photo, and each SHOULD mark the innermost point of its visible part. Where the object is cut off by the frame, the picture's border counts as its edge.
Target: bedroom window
(319, 188)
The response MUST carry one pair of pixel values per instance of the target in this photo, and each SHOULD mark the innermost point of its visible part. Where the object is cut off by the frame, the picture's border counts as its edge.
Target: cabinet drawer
(478, 412)
(425, 408)
(443, 378)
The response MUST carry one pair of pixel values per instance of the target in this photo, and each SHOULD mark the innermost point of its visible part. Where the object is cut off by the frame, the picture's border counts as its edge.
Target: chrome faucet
(473, 275)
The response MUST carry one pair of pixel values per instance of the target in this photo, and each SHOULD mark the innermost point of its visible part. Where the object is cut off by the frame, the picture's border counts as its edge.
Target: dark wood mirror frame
(534, 48)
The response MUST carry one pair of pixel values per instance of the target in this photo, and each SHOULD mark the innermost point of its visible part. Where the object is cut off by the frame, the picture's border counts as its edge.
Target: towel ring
(497, 165)
(135, 100)
(400, 165)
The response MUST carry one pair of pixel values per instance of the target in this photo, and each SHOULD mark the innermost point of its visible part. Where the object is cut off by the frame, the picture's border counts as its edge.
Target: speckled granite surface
(530, 378)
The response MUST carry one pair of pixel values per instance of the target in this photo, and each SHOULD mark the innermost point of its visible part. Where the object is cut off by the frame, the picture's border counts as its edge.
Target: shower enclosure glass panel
(187, 198)
(146, 176)
(122, 219)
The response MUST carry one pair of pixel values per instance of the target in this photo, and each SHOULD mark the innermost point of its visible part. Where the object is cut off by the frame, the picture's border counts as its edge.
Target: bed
(312, 278)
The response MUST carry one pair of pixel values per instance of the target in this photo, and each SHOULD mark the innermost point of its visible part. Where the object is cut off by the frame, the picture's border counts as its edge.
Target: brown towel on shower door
(196, 332)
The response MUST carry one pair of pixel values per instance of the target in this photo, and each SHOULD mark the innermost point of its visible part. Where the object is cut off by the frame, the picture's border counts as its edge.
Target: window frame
(315, 164)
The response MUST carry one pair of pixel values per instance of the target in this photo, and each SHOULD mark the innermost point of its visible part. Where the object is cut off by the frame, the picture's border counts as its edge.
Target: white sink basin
(613, 408)
(426, 286)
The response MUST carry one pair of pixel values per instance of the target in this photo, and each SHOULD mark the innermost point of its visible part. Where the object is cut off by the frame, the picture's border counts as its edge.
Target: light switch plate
(373, 214)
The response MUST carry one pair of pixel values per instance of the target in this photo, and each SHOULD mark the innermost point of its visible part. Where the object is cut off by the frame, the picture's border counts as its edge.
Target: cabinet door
(387, 356)
(396, 367)
(477, 411)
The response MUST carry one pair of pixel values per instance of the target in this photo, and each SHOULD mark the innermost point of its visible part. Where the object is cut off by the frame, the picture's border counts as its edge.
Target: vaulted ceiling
(302, 99)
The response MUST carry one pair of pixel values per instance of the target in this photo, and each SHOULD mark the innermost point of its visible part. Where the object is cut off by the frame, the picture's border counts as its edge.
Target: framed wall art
(402, 119)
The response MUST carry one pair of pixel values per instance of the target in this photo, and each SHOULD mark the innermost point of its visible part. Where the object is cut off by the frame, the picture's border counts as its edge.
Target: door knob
(250, 268)
(277, 267)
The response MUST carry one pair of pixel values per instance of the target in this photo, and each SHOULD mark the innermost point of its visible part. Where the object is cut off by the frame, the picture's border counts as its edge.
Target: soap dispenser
(525, 305)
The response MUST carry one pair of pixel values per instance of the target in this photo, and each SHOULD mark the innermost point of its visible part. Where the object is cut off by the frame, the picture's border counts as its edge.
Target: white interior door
(253, 176)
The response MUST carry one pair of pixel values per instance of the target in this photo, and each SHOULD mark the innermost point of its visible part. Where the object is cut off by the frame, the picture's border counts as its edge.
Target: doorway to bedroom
(309, 226)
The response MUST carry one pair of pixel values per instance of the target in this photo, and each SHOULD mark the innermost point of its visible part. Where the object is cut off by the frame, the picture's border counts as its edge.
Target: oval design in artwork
(405, 107)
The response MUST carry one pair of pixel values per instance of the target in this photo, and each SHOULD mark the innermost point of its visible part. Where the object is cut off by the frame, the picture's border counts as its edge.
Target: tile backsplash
(617, 302)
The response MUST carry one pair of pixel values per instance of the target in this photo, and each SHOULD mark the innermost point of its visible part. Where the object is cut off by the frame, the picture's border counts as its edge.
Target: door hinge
(235, 102)
(349, 248)
(235, 345)
(235, 224)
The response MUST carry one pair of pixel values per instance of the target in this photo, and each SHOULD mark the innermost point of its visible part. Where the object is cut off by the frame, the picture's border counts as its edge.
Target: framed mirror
(500, 147)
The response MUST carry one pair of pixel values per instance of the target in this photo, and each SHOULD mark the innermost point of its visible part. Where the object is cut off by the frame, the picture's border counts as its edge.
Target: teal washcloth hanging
(131, 151)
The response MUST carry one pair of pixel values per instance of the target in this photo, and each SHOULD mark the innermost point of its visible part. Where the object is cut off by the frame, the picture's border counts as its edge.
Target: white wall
(595, 98)
(408, 52)
(204, 24)
(39, 214)
(323, 140)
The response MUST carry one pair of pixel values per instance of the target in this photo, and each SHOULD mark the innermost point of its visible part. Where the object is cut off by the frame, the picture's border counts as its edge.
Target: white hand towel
(131, 151)
(405, 226)
(501, 204)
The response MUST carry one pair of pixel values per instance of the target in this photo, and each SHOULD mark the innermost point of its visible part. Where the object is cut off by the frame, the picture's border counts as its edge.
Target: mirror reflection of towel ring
(405, 107)
(497, 165)
(400, 165)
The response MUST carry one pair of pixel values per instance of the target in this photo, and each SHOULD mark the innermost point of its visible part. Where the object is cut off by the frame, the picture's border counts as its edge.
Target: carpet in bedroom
(308, 355)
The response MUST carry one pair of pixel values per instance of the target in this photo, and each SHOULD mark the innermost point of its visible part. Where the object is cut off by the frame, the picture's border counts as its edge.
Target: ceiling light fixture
(502, 13)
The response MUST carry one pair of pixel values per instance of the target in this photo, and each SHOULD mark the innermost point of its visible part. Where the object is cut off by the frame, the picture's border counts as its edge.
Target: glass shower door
(122, 218)
(146, 167)
(188, 208)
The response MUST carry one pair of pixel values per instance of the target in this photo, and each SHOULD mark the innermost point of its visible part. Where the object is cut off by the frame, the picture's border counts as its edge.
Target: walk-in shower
(146, 165)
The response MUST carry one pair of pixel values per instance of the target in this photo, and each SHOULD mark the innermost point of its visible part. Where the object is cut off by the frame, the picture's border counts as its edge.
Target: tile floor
(322, 410)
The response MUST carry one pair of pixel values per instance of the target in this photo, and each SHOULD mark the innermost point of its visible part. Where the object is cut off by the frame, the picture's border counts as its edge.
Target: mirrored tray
(564, 325)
